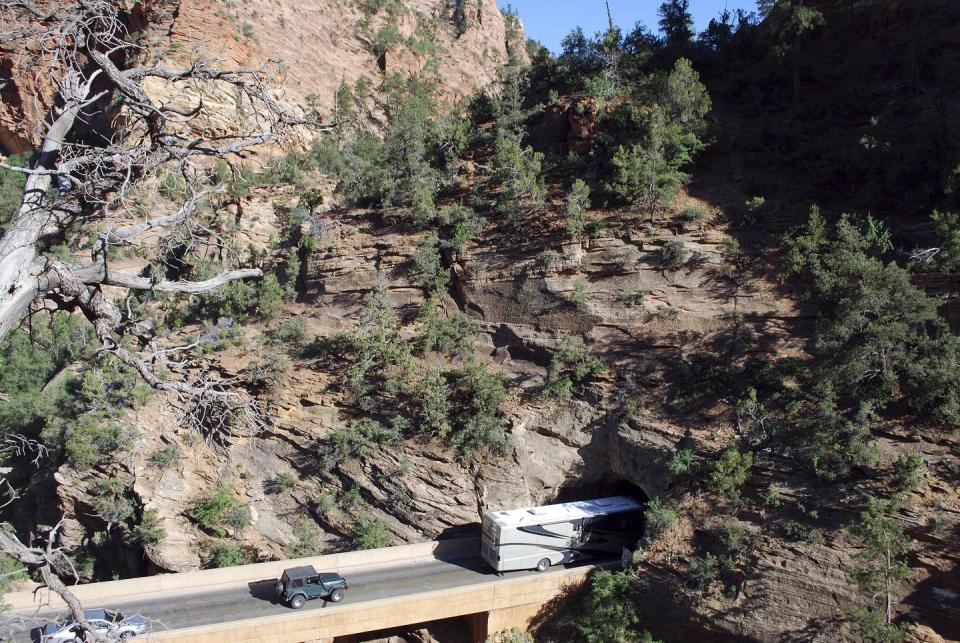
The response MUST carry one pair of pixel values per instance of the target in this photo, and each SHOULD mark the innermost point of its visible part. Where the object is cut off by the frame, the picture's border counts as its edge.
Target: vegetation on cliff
(837, 192)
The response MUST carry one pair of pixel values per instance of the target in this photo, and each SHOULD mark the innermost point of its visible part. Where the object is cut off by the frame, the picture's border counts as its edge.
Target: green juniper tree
(516, 170)
(609, 613)
(577, 204)
(877, 569)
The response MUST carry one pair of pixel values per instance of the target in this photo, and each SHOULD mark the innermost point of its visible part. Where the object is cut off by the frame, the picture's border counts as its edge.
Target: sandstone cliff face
(527, 292)
(307, 49)
(614, 436)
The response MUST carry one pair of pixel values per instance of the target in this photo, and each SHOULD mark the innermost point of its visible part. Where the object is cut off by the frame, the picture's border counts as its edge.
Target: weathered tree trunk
(20, 269)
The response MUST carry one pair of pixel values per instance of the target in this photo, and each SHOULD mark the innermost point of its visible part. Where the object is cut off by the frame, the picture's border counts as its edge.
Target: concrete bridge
(389, 588)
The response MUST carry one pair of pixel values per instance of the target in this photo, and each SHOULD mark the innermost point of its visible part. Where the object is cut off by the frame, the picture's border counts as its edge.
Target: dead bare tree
(75, 185)
(82, 180)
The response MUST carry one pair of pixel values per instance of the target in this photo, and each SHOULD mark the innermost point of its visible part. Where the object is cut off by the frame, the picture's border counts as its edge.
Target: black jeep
(300, 583)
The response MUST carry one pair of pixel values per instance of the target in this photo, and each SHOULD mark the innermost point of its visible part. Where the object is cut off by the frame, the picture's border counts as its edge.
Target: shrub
(464, 224)
(579, 296)
(238, 518)
(233, 300)
(773, 496)
(516, 169)
(212, 511)
(444, 332)
(370, 533)
(633, 297)
(172, 186)
(92, 438)
(224, 334)
(659, 518)
(908, 470)
(428, 265)
(569, 364)
(113, 501)
(729, 472)
(737, 543)
(477, 416)
(435, 407)
(577, 204)
(227, 554)
(681, 463)
(423, 210)
(285, 481)
(270, 296)
(631, 174)
(610, 613)
(356, 439)
(166, 456)
(307, 534)
(798, 531)
(673, 255)
(693, 213)
(268, 370)
(292, 330)
(702, 571)
(150, 529)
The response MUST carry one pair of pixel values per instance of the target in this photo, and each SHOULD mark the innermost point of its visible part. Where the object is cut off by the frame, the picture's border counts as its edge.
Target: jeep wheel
(297, 601)
(336, 596)
(543, 564)
(126, 635)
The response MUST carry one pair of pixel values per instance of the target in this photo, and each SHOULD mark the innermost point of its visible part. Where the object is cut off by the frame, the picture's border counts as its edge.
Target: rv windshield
(491, 532)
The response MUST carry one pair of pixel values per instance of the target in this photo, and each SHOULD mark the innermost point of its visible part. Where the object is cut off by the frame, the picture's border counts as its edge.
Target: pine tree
(878, 566)
(578, 202)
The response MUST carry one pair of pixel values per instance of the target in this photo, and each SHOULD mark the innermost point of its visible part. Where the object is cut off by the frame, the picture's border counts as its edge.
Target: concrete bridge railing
(100, 594)
(493, 606)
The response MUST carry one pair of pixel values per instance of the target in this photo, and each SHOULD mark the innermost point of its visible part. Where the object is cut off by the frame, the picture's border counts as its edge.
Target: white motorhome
(539, 537)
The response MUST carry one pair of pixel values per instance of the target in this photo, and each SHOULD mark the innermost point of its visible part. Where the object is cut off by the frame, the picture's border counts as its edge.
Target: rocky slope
(306, 50)
(527, 292)
(614, 437)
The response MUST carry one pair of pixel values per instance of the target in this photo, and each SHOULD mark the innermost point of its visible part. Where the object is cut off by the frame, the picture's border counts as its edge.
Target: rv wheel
(543, 564)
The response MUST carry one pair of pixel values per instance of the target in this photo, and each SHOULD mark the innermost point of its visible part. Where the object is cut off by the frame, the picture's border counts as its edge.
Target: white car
(111, 625)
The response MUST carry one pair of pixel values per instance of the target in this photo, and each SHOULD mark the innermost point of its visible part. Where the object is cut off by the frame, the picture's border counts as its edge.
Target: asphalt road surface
(257, 599)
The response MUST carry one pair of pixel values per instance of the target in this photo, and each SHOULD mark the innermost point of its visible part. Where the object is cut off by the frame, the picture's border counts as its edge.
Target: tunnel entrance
(602, 487)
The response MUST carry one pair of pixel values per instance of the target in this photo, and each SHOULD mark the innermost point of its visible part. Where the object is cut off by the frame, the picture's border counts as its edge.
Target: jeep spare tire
(297, 601)
(278, 587)
(336, 596)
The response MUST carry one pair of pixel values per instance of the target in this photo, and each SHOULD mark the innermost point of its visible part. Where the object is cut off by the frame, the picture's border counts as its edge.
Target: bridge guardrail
(198, 580)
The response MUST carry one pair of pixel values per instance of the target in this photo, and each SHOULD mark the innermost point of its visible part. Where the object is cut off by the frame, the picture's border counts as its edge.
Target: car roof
(302, 571)
(329, 576)
(92, 615)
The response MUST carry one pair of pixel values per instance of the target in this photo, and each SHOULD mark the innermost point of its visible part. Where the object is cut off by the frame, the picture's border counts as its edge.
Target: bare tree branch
(96, 275)
(86, 180)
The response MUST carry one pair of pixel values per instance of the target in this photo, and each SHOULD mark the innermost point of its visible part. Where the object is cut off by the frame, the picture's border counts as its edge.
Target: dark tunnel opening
(605, 486)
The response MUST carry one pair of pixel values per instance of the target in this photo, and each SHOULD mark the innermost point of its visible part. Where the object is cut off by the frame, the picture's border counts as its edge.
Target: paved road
(256, 599)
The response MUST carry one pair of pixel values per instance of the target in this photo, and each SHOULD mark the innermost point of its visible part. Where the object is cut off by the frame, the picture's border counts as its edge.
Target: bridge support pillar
(486, 624)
